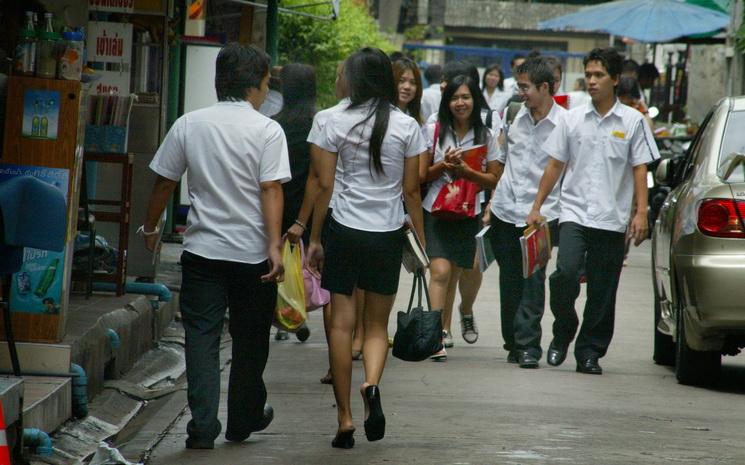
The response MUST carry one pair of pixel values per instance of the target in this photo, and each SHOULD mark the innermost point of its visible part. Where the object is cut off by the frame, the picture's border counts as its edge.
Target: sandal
(356, 354)
(327, 379)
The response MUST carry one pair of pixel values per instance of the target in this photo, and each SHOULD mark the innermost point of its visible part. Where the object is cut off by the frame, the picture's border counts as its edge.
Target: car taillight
(721, 218)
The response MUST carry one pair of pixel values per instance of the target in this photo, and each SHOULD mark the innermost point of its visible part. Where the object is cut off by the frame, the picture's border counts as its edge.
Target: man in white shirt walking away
(604, 147)
(237, 159)
(432, 94)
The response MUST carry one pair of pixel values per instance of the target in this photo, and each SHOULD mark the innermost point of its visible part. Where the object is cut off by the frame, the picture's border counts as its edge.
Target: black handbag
(419, 331)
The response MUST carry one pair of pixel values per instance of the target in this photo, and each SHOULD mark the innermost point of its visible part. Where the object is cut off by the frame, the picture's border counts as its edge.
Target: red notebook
(536, 248)
(474, 156)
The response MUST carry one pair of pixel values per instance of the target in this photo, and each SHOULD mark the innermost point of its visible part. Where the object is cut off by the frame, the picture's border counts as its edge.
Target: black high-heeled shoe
(343, 439)
(375, 422)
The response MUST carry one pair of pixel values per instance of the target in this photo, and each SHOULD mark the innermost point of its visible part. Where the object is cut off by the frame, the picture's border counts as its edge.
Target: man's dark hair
(396, 55)
(608, 57)
(516, 57)
(628, 87)
(239, 68)
(648, 70)
(433, 74)
(534, 53)
(630, 66)
(538, 71)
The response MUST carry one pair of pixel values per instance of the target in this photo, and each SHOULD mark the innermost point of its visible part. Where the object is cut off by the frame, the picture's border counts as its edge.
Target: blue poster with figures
(37, 287)
(40, 114)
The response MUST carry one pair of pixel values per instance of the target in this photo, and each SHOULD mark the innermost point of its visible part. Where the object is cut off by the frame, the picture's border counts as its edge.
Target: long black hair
(370, 78)
(445, 117)
(298, 84)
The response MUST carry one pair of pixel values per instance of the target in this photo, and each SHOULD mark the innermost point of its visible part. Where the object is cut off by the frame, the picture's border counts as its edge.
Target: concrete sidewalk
(477, 409)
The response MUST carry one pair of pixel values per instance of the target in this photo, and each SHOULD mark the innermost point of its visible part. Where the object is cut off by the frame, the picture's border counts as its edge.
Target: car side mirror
(662, 173)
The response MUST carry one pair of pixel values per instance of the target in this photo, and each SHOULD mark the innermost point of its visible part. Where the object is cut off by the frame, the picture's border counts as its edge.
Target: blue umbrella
(642, 20)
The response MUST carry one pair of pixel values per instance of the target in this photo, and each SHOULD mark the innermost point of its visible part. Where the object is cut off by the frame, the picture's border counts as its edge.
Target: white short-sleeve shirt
(526, 160)
(229, 149)
(315, 135)
(600, 153)
(368, 200)
(431, 97)
(499, 99)
(493, 153)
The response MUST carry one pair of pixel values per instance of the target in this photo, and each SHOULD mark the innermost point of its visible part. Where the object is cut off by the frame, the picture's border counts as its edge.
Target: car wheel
(694, 367)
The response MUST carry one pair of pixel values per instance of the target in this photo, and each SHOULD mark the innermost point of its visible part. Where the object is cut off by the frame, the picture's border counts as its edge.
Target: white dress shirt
(316, 134)
(600, 153)
(524, 165)
(431, 97)
(368, 200)
(493, 153)
(229, 149)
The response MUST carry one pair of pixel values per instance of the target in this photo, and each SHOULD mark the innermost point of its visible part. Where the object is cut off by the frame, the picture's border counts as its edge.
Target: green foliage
(418, 32)
(324, 44)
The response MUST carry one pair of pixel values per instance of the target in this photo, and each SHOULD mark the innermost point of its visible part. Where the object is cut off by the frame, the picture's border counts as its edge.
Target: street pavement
(478, 409)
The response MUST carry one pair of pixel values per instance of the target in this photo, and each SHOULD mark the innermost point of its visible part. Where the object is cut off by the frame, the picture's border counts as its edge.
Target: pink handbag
(315, 296)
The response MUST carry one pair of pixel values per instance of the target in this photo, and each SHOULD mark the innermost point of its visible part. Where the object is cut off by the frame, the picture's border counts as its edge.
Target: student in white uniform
(522, 300)
(605, 147)
(492, 84)
(432, 94)
(237, 159)
(468, 281)
(451, 244)
(311, 193)
(378, 147)
(408, 81)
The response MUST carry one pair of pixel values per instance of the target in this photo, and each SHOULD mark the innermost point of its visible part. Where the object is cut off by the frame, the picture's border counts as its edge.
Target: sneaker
(447, 339)
(468, 328)
(281, 335)
(441, 356)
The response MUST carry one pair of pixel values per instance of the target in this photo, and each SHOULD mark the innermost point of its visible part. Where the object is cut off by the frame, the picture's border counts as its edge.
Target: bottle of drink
(47, 279)
(46, 61)
(25, 55)
(71, 61)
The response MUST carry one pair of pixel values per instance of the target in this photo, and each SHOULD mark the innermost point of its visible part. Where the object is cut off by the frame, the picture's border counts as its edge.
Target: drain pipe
(79, 392)
(37, 439)
(163, 293)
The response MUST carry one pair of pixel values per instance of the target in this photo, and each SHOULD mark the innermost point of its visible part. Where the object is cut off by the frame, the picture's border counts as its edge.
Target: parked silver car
(698, 250)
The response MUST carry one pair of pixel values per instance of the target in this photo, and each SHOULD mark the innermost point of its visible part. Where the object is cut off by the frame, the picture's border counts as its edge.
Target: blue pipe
(37, 439)
(114, 339)
(163, 293)
(79, 392)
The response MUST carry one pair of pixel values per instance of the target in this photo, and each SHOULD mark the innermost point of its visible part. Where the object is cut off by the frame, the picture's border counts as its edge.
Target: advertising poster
(113, 6)
(109, 52)
(40, 114)
(37, 287)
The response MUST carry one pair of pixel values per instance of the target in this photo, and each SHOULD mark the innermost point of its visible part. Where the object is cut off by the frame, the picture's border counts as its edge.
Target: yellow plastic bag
(290, 314)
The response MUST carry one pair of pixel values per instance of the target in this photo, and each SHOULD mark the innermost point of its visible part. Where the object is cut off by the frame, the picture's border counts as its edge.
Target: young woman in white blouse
(408, 81)
(451, 244)
(492, 85)
(379, 148)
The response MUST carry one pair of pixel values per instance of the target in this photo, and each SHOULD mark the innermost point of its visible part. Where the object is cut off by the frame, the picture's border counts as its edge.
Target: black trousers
(208, 288)
(521, 300)
(600, 254)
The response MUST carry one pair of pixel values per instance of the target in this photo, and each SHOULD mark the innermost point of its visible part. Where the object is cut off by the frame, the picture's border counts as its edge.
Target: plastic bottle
(46, 61)
(25, 56)
(47, 279)
(71, 61)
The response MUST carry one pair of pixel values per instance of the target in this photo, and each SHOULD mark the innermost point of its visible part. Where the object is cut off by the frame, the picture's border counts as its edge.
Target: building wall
(707, 78)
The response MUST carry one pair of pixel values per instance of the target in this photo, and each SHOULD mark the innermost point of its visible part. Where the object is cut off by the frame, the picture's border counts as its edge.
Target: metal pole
(272, 29)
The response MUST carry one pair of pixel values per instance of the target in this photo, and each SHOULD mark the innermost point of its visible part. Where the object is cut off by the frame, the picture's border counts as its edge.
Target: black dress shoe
(512, 356)
(525, 360)
(556, 354)
(589, 366)
(343, 439)
(197, 443)
(375, 423)
(266, 419)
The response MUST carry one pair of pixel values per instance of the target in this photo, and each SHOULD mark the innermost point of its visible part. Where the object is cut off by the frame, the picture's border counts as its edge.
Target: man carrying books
(604, 147)
(522, 299)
